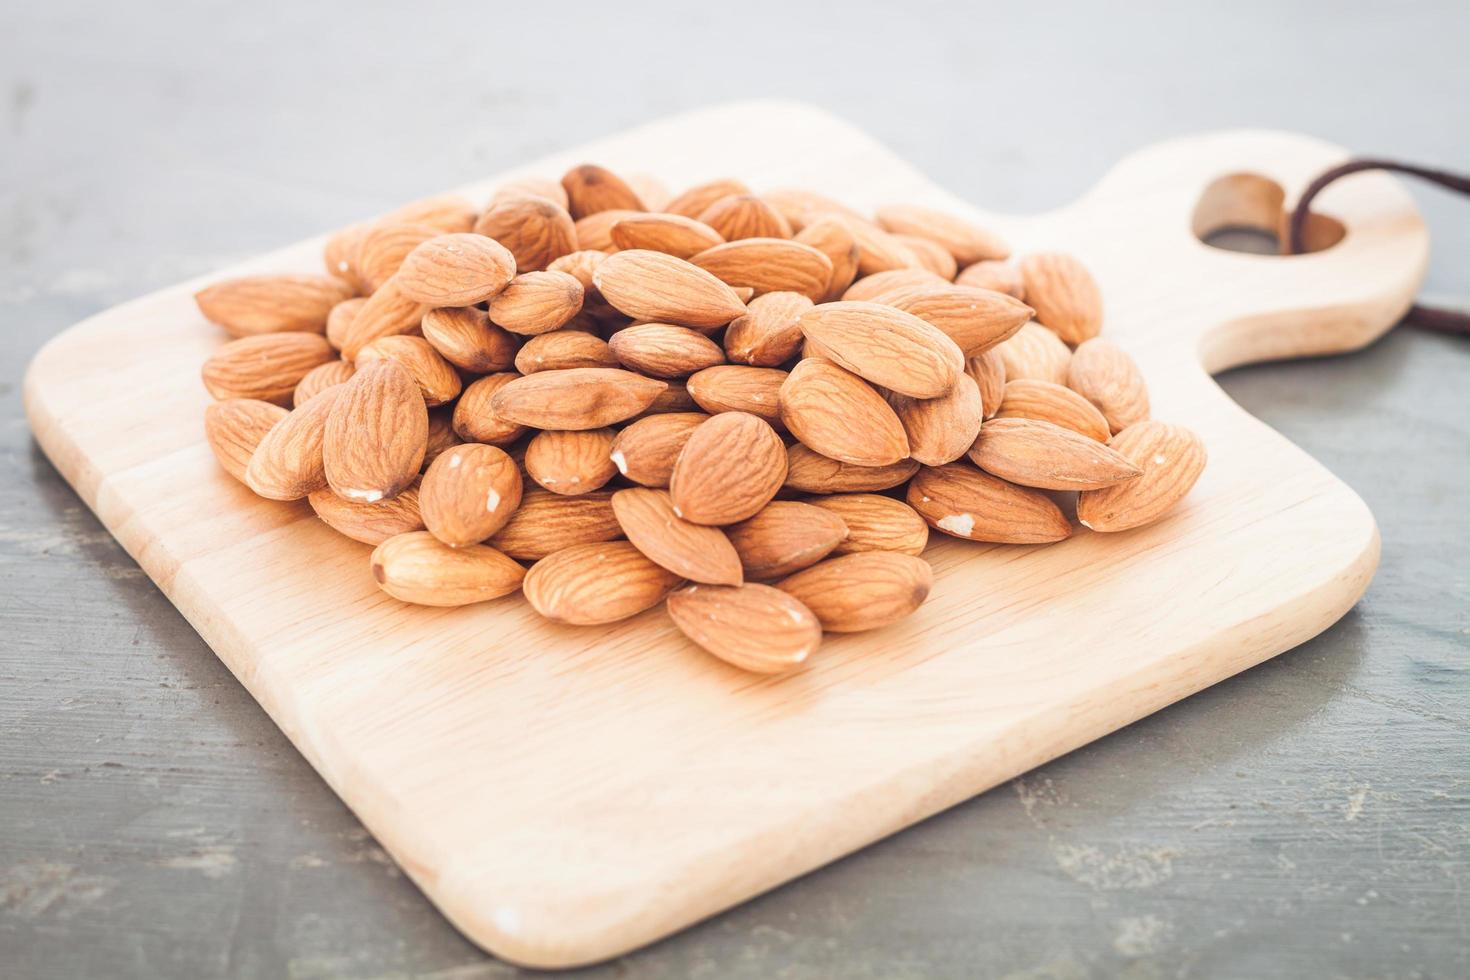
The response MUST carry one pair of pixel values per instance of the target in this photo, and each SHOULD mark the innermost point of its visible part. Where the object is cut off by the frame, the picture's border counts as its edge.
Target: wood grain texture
(557, 836)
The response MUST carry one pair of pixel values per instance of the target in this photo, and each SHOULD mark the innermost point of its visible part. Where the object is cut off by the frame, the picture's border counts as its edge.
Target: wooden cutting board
(566, 794)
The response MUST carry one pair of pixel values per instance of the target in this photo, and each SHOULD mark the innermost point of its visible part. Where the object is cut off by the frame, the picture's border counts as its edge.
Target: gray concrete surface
(1310, 818)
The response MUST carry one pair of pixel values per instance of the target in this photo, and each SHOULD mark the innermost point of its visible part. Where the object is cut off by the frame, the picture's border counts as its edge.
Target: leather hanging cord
(1431, 318)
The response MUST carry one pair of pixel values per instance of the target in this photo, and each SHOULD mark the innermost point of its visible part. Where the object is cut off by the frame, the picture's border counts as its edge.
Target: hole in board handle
(1246, 212)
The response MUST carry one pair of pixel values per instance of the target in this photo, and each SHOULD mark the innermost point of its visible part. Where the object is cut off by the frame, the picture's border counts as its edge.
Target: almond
(266, 366)
(653, 286)
(450, 213)
(966, 241)
(645, 451)
(561, 350)
(595, 231)
(571, 462)
(808, 471)
(753, 627)
(536, 230)
(376, 433)
(975, 319)
(674, 398)
(653, 192)
(537, 302)
(416, 567)
(672, 234)
(886, 346)
(784, 537)
(386, 313)
(1027, 398)
(287, 465)
(369, 523)
(319, 379)
(591, 189)
(691, 203)
(1063, 294)
(592, 584)
(339, 321)
(745, 216)
(456, 270)
(575, 398)
(469, 493)
(965, 503)
(465, 337)
(340, 254)
(833, 239)
(931, 256)
(865, 591)
(382, 249)
(1171, 458)
(1003, 277)
(988, 370)
(1035, 352)
(878, 251)
(234, 427)
(940, 430)
(255, 305)
(876, 523)
(547, 522)
(768, 333)
(769, 265)
(475, 419)
(737, 388)
(1105, 375)
(1047, 456)
(437, 380)
(871, 288)
(442, 436)
(543, 187)
(664, 350)
(731, 467)
(690, 551)
(840, 415)
(802, 208)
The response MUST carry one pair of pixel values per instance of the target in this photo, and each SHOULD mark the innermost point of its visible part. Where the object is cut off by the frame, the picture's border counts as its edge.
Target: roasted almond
(975, 319)
(1035, 352)
(988, 370)
(833, 239)
(456, 270)
(852, 593)
(386, 313)
(266, 366)
(940, 430)
(730, 467)
(653, 286)
(536, 230)
(886, 346)
(369, 523)
(691, 203)
(561, 350)
(1106, 376)
(690, 551)
(417, 567)
(872, 287)
(537, 302)
(931, 256)
(1003, 277)
(571, 463)
(965, 503)
(769, 265)
(339, 321)
(1063, 294)
(319, 379)
(672, 234)
(753, 627)
(840, 415)
(664, 350)
(591, 189)
(809, 471)
(287, 465)
(465, 337)
(966, 241)
(1027, 398)
(383, 247)
(469, 493)
(575, 398)
(254, 305)
(784, 537)
(745, 216)
(876, 523)
(437, 380)
(592, 584)
(376, 433)
(1047, 456)
(547, 522)
(768, 333)
(234, 427)
(1171, 458)
(475, 419)
(737, 388)
(645, 452)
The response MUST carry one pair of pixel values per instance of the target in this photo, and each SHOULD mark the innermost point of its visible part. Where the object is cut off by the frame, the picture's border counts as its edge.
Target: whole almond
(649, 285)
(465, 337)
(417, 567)
(664, 350)
(369, 523)
(691, 203)
(674, 398)
(753, 627)
(941, 430)
(878, 251)
(888, 347)
(672, 234)
(784, 537)
(591, 189)
(768, 334)
(384, 246)
(802, 207)
(450, 213)
(737, 388)
(266, 366)
(1047, 456)
(571, 462)
(653, 192)
(376, 433)
(386, 313)
(690, 551)
(871, 288)
(287, 465)
(442, 436)
(580, 265)
(876, 523)
(1003, 277)
(475, 419)
(437, 380)
(547, 522)
(833, 239)
(469, 493)
(595, 230)
(645, 452)
(1064, 295)
(561, 350)
(769, 265)
(340, 254)
(988, 370)
(234, 427)
(254, 305)
(966, 241)
(975, 319)
(1106, 376)
(576, 398)
(1171, 458)
(745, 216)
(319, 379)
(543, 187)
(1035, 352)
(808, 471)
(870, 590)
(730, 467)
(339, 321)
(592, 584)
(536, 230)
(965, 503)
(840, 415)
(1027, 398)
(456, 270)
(537, 302)
(931, 256)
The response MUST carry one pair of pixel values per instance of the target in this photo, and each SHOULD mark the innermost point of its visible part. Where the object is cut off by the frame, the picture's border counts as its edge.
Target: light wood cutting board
(566, 794)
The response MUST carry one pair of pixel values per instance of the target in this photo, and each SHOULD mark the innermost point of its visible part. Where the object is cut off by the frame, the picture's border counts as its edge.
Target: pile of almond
(751, 406)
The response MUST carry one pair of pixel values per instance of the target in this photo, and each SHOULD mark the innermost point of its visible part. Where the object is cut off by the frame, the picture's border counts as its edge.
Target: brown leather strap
(1428, 317)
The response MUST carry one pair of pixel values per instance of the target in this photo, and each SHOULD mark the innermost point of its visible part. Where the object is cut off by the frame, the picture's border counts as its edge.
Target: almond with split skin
(419, 568)
(975, 319)
(988, 370)
(562, 350)
(475, 418)
(738, 388)
(456, 270)
(591, 189)
(547, 522)
(768, 334)
(576, 398)
(254, 305)
(663, 350)
(646, 450)
(965, 503)
(1002, 277)
(266, 367)
(888, 347)
(1064, 295)
(1048, 457)
(672, 234)
(808, 471)
(653, 286)
(864, 591)
(376, 434)
(369, 523)
(465, 337)
(1027, 398)
(691, 551)
(287, 465)
(833, 239)
(1171, 458)
(1106, 376)
(745, 216)
(597, 583)
(876, 523)
(537, 231)
(438, 382)
(754, 627)
(839, 415)
(234, 427)
(1035, 352)
(769, 265)
(940, 430)
(784, 537)
(537, 302)
(571, 463)
(730, 467)
(966, 241)
(469, 493)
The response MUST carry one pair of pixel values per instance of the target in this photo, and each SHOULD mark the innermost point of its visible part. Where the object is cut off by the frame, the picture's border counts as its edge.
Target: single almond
(575, 398)
(966, 241)
(876, 523)
(376, 433)
(340, 254)
(595, 231)
(752, 627)
(561, 350)
(931, 256)
(417, 567)
(1106, 376)
(730, 467)
(840, 415)
(596, 583)
(475, 419)
(1047, 456)
(833, 239)
(287, 465)
(975, 319)
(319, 379)
(692, 202)
(886, 346)
(672, 234)
(1035, 352)
(878, 251)
(265, 366)
(591, 189)
(234, 427)
(571, 463)
(386, 313)
(654, 193)
(537, 302)
(543, 187)
(437, 380)
(870, 288)
(547, 522)
(784, 537)
(674, 398)
(1171, 458)
(645, 451)
(537, 231)
(653, 286)
(690, 551)
(769, 265)
(456, 270)
(808, 471)
(965, 503)
(940, 430)
(768, 334)
(580, 265)
(442, 436)
(737, 388)
(1003, 277)
(857, 592)
(1027, 398)
(1064, 295)
(663, 350)
(988, 370)
(802, 208)
(745, 216)
(450, 213)
(253, 305)
(465, 337)
(339, 321)
(384, 246)
(469, 493)
(369, 523)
